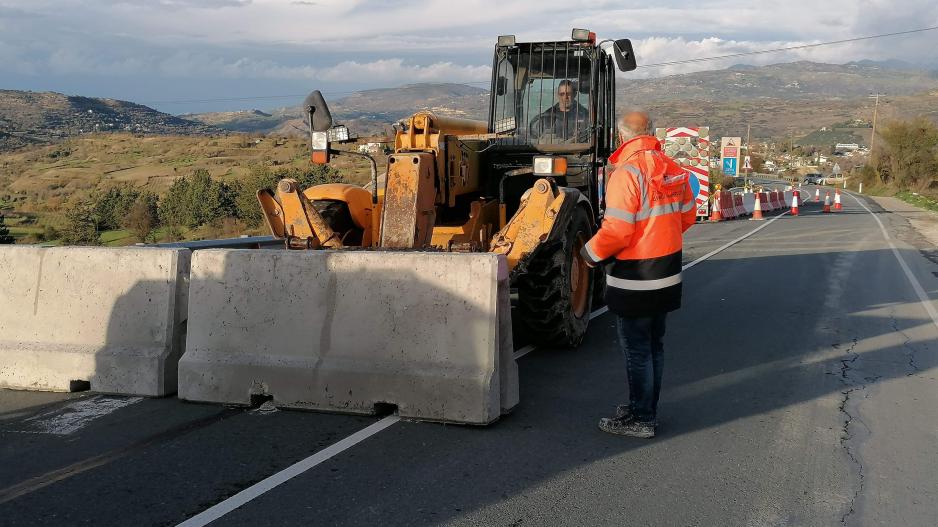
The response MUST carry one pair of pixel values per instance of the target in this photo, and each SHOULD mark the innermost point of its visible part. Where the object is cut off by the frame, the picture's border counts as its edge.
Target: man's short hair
(628, 129)
(570, 83)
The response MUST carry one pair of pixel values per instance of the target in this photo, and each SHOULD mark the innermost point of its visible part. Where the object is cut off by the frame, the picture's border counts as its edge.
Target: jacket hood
(645, 153)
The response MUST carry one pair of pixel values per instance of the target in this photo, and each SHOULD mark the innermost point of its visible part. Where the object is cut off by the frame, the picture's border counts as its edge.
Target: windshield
(542, 93)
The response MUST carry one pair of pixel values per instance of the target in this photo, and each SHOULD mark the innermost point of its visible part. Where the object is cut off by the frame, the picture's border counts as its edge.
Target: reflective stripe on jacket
(649, 205)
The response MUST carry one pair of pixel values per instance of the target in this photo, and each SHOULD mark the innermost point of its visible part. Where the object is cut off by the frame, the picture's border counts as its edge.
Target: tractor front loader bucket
(291, 216)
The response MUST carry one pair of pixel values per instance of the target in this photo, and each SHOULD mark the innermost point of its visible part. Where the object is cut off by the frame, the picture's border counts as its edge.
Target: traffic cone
(827, 202)
(817, 195)
(794, 203)
(837, 205)
(757, 209)
(715, 209)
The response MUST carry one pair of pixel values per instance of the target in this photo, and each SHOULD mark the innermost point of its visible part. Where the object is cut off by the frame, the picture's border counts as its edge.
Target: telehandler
(526, 184)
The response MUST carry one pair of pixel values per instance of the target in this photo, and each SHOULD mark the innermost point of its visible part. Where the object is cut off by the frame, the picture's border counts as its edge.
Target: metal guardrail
(244, 242)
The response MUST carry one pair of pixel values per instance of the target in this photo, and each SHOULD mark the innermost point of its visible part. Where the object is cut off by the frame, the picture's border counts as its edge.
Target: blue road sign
(694, 184)
(729, 166)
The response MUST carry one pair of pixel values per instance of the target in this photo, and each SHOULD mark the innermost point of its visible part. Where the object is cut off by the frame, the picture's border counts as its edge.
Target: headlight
(550, 166)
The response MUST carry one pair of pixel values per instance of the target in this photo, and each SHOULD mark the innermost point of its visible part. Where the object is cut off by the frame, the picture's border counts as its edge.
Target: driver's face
(565, 97)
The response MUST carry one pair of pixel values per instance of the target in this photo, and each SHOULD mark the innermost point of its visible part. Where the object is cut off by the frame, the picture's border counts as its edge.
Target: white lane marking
(729, 244)
(919, 290)
(529, 348)
(218, 510)
(75, 416)
(598, 312)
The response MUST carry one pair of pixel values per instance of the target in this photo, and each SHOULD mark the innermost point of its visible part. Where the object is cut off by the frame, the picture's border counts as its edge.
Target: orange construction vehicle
(527, 183)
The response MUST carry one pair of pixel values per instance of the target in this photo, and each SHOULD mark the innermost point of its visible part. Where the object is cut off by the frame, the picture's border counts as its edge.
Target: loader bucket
(352, 332)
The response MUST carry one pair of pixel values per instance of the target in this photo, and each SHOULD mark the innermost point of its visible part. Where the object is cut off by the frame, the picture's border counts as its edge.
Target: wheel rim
(579, 279)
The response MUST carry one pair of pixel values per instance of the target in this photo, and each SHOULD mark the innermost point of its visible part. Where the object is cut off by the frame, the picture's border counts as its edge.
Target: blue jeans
(640, 340)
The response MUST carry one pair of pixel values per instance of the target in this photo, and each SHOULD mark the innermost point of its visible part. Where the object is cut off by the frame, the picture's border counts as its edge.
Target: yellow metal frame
(531, 224)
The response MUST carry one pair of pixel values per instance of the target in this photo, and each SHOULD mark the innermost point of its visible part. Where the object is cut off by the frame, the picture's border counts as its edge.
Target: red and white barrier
(738, 204)
(727, 208)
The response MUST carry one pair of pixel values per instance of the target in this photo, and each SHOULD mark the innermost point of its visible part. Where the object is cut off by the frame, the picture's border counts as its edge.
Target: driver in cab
(565, 120)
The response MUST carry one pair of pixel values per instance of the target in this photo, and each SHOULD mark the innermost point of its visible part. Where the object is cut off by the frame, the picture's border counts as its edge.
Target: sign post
(729, 154)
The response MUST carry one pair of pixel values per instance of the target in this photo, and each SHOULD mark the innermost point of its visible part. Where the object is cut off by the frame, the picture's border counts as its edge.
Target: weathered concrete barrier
(111, 317)
(352, 331)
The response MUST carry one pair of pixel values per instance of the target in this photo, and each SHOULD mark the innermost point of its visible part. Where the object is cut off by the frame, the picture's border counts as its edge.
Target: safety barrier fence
(730, 205)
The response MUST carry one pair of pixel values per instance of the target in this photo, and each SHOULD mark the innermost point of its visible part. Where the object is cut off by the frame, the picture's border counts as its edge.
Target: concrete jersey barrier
(350, 331)
(111, 317)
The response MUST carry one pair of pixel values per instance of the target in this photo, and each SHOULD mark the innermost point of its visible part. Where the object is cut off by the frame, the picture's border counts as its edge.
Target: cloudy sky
(160, 52)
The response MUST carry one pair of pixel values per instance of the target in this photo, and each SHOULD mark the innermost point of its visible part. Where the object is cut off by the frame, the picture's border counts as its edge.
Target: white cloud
(379, 43)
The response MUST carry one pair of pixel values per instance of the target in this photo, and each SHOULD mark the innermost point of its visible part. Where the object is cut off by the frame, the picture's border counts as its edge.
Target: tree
(80, 224)
(245, 194)
(142, 217)
(195, 200)
(909, 155)
(5, 236)
(112, 205)
(245, 190)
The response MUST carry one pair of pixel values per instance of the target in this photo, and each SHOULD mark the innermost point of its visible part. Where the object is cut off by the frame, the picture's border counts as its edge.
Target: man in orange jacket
(649, 205)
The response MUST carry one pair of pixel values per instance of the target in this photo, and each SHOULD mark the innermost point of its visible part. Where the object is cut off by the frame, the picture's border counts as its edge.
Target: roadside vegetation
(195, 206)
(905, 163)
(120, 189)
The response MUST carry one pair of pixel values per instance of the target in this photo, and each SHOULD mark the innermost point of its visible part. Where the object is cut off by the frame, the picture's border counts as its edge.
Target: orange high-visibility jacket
(649, 205)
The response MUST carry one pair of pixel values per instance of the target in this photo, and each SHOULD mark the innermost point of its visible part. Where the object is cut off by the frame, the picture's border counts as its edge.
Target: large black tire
(553, 302)
(337, 216)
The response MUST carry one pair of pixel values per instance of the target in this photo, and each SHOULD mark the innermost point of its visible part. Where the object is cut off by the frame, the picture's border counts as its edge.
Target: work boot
(627, 426)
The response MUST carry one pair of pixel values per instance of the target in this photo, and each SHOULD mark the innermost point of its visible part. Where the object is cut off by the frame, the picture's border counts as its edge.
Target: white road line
(529, 348)
(217, 511)
(919, 290)
(729, 244)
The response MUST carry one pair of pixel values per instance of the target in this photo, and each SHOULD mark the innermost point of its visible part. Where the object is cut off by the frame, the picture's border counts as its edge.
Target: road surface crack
(907, 344)
(851, 384)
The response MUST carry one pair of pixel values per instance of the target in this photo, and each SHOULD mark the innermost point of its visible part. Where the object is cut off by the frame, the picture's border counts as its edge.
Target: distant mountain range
(777, 100)
(780, 100)
(41, 117)
(796, 81)
(365, 113)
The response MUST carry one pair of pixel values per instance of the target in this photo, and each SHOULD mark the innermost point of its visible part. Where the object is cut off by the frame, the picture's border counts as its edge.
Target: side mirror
(501, 85)
(320, 120)
(625, 57)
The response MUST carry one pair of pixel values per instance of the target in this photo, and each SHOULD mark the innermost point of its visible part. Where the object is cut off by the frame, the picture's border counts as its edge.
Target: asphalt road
(800, 389)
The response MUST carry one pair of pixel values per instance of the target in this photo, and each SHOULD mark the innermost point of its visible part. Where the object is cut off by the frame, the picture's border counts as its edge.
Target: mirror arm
(309, 121)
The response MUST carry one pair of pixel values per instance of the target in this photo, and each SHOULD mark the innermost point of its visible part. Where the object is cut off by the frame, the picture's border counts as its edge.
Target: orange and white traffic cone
(817, 195)
(757, 209)
(794, 203)
(827, 202)
(837, 205)
(715, 209)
